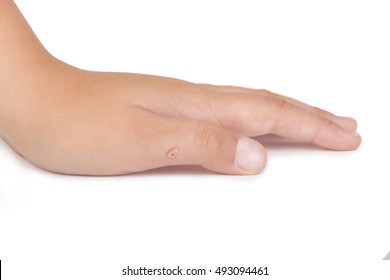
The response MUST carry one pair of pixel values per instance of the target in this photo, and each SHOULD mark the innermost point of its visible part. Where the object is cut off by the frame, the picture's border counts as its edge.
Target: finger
(190, 142)
(348, 124)
(253, 115)
(258, 115)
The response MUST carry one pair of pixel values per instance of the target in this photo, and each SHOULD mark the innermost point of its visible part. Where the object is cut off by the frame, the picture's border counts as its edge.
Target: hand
(80, 122)
(71, 121)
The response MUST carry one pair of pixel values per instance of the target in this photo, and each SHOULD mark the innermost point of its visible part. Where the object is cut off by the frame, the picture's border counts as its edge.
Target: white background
(312, 214)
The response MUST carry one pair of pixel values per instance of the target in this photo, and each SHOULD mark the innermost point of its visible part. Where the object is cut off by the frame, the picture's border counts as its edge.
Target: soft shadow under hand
(176, 170)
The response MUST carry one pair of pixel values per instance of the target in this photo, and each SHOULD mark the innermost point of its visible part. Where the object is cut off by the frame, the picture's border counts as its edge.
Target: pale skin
(71, 121)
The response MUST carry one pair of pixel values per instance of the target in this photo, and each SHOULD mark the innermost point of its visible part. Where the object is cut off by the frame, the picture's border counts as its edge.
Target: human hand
(73, 121)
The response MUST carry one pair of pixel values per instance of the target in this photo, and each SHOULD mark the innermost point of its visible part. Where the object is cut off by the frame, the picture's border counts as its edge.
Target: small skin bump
(172, 153)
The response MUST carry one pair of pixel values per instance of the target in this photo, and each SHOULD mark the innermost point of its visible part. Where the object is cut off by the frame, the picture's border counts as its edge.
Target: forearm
(23, 60)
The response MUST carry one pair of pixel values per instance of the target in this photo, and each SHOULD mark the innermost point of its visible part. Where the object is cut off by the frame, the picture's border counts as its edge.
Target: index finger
(258, 115)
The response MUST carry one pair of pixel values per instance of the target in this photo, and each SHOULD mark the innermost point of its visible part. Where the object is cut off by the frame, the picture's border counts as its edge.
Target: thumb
(193, 142)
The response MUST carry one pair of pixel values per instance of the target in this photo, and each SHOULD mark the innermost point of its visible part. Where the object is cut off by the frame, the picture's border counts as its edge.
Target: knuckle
(276, 126)
(317, 132)
(279, 103)
(209, 139)
(245, 121)
(321, 112)
(206, 87)
(242, 114)
(266, 93)
(317, 110)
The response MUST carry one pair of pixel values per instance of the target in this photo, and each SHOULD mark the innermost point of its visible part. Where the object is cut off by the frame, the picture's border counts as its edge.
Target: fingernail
(249, 155)
(346, 118)
(355, 134)
(348, 124)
